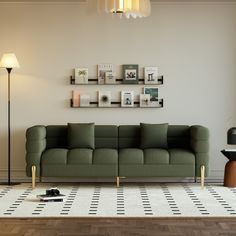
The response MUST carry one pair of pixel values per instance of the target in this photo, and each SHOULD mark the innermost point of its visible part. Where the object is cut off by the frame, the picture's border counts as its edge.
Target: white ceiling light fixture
(127, 8)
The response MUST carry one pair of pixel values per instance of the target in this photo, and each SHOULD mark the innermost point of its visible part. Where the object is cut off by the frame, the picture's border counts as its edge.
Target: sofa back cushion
(106, 136)
(56, 136)
(129, 136)
(178, 136)
(80, 135)
(153, 135)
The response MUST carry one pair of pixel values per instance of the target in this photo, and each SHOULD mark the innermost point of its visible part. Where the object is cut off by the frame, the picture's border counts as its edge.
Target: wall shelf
(117, 104)
(92, 81)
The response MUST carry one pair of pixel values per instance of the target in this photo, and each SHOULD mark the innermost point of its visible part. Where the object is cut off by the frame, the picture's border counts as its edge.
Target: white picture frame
(151, 75)
(104, 98)
(81, 75)
(127, 99)
(144, 100)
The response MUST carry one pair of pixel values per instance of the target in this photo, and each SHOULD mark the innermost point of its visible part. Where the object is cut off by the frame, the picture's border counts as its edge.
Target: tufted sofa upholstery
(117, 153)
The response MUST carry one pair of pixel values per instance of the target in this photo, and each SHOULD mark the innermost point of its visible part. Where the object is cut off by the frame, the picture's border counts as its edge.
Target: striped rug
(130, 200)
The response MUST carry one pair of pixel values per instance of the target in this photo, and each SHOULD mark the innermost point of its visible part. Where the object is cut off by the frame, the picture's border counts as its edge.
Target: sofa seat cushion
(181, 156)
(156, 156)
(105, 156)
(54, 156)
(80, 156)
(131, 156)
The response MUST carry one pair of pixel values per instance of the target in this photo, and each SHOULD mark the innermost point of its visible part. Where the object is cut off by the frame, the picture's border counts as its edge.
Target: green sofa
(117, 152)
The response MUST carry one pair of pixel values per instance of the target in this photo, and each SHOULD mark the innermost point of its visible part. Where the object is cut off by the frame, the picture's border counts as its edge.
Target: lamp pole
(9, 125)
(9, 61)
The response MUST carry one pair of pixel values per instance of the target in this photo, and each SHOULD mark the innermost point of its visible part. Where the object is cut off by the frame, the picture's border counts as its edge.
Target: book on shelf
(81, 75)
(104, 98)
(110, 77)
(75, 98)
(130, 73)
(84, 100)
(102, 69)
(153, 91)
(151, 75)
(127, 98)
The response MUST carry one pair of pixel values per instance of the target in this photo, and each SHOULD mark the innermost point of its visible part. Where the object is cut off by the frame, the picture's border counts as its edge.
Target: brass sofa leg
(202, 175)
(117, 181)
(33, 176)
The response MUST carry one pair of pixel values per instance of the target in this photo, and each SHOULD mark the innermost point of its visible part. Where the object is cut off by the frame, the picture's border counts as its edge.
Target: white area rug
(130, 200)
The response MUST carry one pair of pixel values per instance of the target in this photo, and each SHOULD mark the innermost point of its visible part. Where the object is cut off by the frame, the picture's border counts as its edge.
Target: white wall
(193, 44)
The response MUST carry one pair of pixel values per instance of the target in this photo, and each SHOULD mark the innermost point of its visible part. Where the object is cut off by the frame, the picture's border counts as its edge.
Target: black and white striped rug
(130, 200)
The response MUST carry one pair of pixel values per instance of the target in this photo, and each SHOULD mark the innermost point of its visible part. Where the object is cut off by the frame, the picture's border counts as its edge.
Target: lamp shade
(127, 8)
(9, 60)
(231, 136)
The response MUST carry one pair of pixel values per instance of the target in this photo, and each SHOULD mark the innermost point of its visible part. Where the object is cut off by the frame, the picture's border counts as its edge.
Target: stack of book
(52, 195)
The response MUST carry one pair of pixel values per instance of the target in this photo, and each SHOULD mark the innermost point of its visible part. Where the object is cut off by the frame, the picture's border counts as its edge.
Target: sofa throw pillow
(153, 135)
(81, 135)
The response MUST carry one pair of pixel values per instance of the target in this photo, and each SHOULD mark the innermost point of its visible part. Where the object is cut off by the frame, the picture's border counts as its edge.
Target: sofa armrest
(200, 145)
(35, 145)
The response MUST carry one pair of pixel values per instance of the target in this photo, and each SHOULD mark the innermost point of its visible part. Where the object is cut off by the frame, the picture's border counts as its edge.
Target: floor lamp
(9, 61)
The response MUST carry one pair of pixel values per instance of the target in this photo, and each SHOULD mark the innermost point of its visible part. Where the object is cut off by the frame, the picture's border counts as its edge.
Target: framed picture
(102, 69)
(144, 100)
(104, 98)
(84, 100)
(130, 73)
(127, 99)
(153, 92)
(110, 77)
(151, 75)
(81, 75)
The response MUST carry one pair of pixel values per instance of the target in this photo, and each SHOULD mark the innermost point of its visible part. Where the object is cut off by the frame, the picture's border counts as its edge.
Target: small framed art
(130, 73)
(153, 92)
(81, 75)
(102, 69)
(144, 100)
(151, 75)
(104, 98)
(127, 99)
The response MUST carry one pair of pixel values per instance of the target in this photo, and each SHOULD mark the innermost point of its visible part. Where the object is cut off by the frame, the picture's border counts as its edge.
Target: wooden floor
(118, 226)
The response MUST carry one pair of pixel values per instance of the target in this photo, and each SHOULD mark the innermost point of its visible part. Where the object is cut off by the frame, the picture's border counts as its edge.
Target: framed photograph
(127, 99)
(153, 92)
(75, 98)
(104, 98)
(131, 74)
(151, 75)
(144, 100)
(110, 77)
(81, 75)
(102, 69)
(84, 100)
